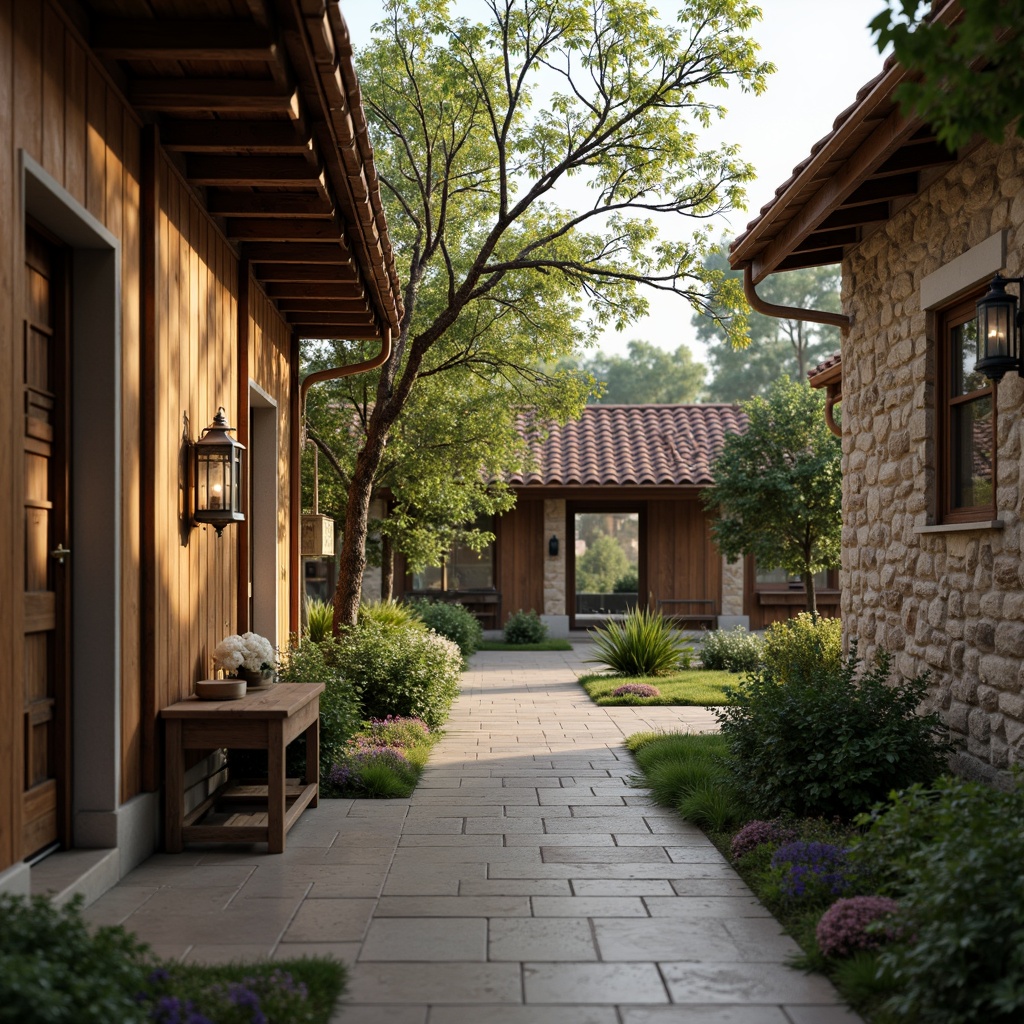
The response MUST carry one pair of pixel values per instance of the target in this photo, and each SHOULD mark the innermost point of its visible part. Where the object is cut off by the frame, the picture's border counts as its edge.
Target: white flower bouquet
(250, 651)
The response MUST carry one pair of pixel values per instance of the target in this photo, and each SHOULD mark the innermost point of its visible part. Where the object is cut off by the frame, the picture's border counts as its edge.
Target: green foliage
(730, 650)
(827, 743)
(402, 670)
(54, 971)
(340, 707)
(773, 347)
(966, 79)
(601, 565)
(952, 856)
(712, 804)
(525, 628)
(628, 583)
(803, 648)
(452, 621)
(319, 619)
(475, 125)
(551, 644)
(643, 644)
(391, 613)
(647, 374)
(689, 688)
(778, 485)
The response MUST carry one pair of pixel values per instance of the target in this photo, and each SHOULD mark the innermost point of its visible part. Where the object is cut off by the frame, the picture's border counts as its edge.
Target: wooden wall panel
(682, 560)
(520, 563)
(269, 367)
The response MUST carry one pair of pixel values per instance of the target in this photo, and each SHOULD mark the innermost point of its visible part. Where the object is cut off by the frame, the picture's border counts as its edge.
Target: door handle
(60, 553)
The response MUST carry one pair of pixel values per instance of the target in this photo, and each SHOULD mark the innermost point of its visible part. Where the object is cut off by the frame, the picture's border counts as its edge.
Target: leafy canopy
(772, 346)
(972, 74)
(778, 486)
(647, 374)
(526, 161)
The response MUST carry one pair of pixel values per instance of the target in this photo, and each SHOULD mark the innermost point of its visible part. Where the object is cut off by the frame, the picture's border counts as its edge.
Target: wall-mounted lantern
(553, 546)
(217, 465)
(998, 334)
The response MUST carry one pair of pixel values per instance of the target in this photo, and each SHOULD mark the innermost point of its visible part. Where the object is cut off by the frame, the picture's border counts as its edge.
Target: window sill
(983, 524)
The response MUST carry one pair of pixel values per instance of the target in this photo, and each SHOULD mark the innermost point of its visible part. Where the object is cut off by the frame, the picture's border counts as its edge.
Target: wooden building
(634, 473)
(186, 188)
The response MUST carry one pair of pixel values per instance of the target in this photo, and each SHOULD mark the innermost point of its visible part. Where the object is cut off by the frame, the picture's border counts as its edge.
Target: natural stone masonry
(526, 882)
(949, 603)
(554, 567)
(732, 586)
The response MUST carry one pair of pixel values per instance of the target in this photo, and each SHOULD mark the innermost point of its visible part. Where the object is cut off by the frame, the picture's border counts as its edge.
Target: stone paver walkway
(524, 883)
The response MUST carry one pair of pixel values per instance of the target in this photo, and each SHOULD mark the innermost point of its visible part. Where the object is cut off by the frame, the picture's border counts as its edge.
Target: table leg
(313, 759)
(275, 788)
(174, 786)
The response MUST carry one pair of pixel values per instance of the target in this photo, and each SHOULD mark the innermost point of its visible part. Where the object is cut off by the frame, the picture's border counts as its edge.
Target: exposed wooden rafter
(206, 39)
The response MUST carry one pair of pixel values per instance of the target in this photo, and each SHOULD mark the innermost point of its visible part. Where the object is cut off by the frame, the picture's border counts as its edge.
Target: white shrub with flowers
(249, 651)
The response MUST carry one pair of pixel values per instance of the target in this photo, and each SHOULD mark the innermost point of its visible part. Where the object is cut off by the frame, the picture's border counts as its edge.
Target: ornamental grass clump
(849, 925)
(637, 690)
(643, 644)
(319, 620)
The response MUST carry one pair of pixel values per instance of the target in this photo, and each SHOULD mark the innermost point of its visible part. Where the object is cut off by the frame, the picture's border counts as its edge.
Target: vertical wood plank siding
(682, 560)
(57, 104)
(520, 562)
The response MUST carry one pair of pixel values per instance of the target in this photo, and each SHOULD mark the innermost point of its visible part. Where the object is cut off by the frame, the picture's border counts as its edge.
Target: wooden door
(46, 782)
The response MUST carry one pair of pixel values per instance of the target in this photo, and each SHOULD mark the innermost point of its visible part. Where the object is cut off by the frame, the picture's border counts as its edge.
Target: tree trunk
(387, 569)
(812, 604)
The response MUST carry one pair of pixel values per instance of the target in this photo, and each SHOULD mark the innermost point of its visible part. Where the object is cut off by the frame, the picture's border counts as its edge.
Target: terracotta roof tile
(826, 364)
(634, 445)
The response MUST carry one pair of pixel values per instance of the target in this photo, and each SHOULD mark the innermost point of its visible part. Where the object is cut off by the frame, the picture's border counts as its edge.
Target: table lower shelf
(227, 815)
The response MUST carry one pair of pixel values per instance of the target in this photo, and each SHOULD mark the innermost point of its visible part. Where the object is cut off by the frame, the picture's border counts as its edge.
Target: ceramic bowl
(220, 689)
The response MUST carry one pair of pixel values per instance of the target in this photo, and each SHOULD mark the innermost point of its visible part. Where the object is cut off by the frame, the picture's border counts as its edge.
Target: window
(780, 579)
(967, 415)
(462, 567)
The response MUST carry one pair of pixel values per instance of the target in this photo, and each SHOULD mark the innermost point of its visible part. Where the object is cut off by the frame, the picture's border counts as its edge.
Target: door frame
(95, 499)
(602, 505)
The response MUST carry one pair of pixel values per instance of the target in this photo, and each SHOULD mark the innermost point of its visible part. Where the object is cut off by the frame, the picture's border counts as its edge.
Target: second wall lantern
(217, 468)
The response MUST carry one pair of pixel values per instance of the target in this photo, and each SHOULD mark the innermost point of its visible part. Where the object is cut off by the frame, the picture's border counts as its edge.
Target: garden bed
(691, 687)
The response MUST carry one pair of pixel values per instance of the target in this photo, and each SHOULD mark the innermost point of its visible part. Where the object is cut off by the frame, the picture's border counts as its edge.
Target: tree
(601, 566)
(970, 74)
(445, 459)
(647, 374)
(778, 485)
(774, 346)
(476, 124)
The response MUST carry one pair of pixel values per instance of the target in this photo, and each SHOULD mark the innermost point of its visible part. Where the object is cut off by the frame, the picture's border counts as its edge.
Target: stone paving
(525, 882)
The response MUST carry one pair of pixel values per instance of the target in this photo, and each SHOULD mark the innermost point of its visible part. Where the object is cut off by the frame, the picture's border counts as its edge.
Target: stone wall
(554, 568)
(732, 586)
(941, 599)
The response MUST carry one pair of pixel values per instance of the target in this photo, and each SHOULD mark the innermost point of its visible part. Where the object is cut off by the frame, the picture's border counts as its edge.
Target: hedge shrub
(803, 648)
(452, 621)
(730, 650)
(525, 628)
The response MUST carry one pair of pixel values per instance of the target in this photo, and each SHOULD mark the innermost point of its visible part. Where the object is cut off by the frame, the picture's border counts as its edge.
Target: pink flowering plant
(637, 690)
(853, 924)
(758, 833)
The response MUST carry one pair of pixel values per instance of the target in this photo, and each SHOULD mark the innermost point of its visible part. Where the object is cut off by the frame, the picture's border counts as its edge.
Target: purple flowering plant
(396, 731)
(856, 923)
(810, 872)
(637, 690)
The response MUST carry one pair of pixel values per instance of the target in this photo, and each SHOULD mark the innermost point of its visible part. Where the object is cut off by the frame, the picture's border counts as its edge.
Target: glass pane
(471, 570)
(972, 453)
(964, 340)
(428, 579)
(607, 549)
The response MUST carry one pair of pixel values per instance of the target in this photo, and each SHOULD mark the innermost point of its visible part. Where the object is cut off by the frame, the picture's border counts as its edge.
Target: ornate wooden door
(45, 804)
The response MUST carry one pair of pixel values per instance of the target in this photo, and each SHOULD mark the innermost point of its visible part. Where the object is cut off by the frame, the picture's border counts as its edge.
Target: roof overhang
(872, 164)
(262, 114)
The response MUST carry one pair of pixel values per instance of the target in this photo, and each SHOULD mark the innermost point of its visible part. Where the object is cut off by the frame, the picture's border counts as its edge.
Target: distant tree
(776, 347)
(970, 76)
(601, 566)
(647, 374)
(778, 486)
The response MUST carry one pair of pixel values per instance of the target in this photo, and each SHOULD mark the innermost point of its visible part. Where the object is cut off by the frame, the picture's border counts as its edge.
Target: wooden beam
(282, 229)
(335, 253)
(285, 171)
(848, 216)
(349, 333)
(325, 317)
(819, 240)
(350, 306)
(315, 290)
(216, 39)
(290, 271)
(223, 203)
(897, 186)
(213, 95)
(916, 157)
(240, 137)
(839, 190)
(820, 258)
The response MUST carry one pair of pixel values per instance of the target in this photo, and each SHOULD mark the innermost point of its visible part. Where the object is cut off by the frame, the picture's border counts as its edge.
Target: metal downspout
(817, 316)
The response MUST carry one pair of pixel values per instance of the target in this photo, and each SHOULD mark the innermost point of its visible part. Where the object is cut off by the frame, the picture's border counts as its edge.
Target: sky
(823, 53)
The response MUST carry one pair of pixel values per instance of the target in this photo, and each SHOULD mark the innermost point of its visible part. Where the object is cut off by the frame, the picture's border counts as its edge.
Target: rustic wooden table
(264, 720)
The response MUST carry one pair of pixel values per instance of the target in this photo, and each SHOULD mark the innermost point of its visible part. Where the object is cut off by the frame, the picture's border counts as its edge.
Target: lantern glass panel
(996, 326)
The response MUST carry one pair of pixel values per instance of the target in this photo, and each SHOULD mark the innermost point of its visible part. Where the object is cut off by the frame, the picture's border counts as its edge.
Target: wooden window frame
(953, 316)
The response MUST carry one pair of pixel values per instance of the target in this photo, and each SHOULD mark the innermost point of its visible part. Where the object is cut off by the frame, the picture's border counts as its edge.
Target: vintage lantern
(217, 481)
